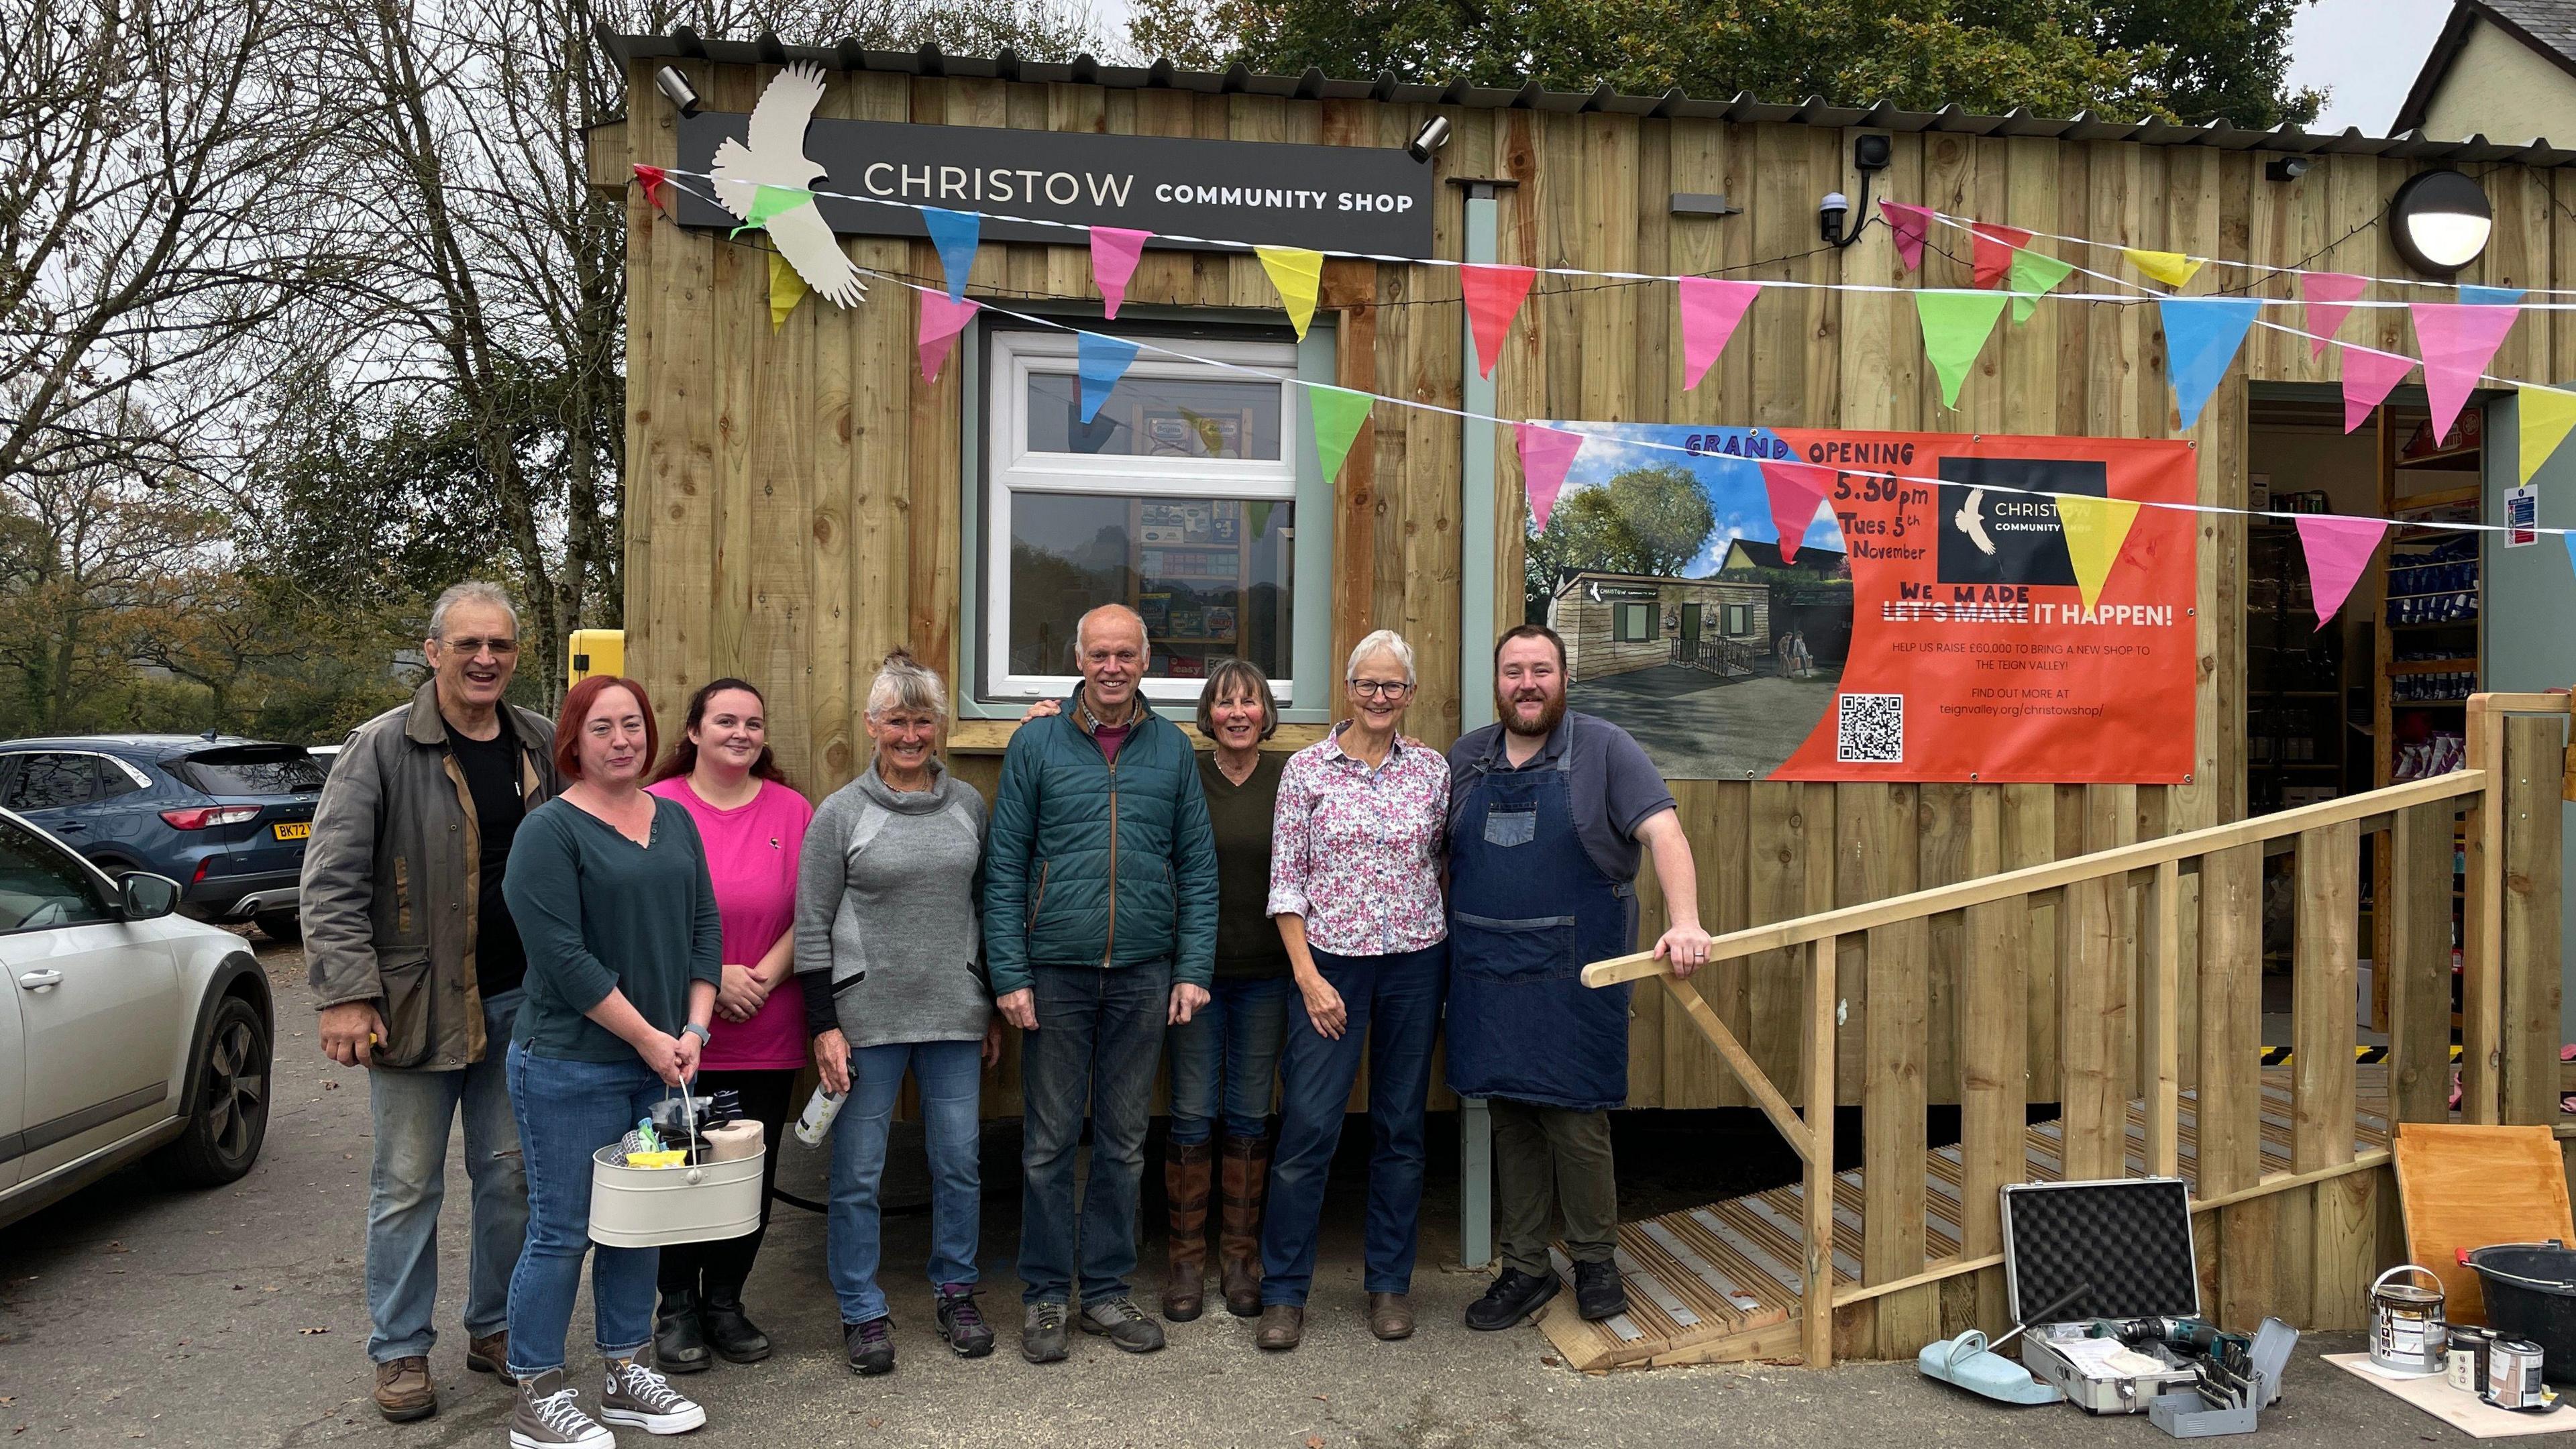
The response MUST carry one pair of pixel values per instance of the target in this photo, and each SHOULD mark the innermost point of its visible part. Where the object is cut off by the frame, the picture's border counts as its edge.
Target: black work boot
(1515, 1296)
(1597, 1292)
(679, 1337)
(730, 1332)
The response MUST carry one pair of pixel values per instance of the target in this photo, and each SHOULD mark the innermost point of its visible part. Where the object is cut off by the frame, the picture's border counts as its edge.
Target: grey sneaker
(548, 1416)
(1124, 1324)
(1042, 1338)
(642, 1399)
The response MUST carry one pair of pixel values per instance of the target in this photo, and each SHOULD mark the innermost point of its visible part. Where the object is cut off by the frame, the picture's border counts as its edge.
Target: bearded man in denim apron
(1547, 813)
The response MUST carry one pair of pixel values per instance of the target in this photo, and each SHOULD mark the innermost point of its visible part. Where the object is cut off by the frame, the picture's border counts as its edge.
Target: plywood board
(2434, 1395)
(2463, 1186)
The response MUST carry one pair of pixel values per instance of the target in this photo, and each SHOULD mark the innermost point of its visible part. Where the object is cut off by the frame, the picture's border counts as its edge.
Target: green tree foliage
(2188, 60)
(1644, 521)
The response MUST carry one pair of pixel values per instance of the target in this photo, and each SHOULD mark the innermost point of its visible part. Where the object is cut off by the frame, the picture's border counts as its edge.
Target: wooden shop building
(800, 498)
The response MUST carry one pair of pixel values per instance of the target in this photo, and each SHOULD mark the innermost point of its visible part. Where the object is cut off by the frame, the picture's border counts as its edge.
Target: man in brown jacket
(416, 967)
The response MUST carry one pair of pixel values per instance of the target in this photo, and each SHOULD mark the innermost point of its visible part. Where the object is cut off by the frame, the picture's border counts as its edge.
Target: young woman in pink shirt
(753, 824)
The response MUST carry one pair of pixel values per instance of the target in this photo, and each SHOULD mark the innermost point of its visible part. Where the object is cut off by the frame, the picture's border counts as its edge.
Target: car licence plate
(296, 831)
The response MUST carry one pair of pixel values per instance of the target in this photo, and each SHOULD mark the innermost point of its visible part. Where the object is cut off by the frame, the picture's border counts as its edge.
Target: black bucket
(2531, 1293)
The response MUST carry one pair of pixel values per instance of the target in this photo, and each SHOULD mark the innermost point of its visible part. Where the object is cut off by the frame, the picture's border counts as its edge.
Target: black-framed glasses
(1380, 688)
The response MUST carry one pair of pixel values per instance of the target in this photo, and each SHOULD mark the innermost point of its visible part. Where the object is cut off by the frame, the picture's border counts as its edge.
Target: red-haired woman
(610, 891)
(752, 823)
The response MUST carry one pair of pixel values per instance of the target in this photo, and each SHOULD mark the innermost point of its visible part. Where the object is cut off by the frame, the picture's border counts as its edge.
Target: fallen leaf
(1323, 1398)
(876, 1423)
(1548, 1359)
(1314, 1441)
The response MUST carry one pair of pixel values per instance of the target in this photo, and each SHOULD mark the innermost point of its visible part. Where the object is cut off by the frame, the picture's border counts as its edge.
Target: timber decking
(1720, 1283)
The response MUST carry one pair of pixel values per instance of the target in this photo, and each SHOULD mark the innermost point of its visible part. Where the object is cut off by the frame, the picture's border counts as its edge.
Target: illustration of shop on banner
(1811, 604)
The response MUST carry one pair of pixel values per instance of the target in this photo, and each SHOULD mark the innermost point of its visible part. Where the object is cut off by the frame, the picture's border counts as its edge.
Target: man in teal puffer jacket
(1099, 930)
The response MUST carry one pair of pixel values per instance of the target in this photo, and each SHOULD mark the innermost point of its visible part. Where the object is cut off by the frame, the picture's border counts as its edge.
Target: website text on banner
(1842, 617)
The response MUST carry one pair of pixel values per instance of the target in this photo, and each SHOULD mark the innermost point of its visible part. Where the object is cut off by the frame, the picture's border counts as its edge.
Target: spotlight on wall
(2285, 168)
(676, 89)
(1433, 135)
(2440, 221)
(1830, 213)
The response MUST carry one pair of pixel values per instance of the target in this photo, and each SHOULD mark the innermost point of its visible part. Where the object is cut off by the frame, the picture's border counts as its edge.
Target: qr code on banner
(1870, 730)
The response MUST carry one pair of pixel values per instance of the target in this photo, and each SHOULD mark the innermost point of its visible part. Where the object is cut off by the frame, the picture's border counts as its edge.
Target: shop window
(1739, 620)
(1178, 500)
(1632, 623)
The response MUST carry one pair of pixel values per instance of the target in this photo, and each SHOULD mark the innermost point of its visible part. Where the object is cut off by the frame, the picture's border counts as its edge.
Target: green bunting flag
(1338, 413)
(769, 201)
(1955, 326)
(2033, 276)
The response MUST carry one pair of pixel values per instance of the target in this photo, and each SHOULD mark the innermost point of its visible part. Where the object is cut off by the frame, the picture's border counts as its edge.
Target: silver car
(126, 1031)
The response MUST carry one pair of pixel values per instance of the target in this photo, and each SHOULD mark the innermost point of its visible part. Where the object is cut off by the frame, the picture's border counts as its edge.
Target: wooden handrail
(2146, 854)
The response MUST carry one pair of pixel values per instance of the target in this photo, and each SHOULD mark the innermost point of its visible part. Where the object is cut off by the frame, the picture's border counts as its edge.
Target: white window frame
(1016, 468)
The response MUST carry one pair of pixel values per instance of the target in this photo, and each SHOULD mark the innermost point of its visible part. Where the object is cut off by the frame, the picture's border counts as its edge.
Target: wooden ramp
(1720, 1283)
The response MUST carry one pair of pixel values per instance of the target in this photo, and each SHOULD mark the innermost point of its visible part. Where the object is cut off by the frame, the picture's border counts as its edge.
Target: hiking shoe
(403, 1389)
(1390, 1315)
(1123, 1323)
(642, 1399)
(490, 1354)
(1514, 1296)
(870, 1345)
(549, 1416)
(1283, 1326)
(1042, 1337)
(1597, 1292)
(962, 1323)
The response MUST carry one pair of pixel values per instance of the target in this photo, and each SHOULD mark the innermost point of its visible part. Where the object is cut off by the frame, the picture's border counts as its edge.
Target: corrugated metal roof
(929, 60)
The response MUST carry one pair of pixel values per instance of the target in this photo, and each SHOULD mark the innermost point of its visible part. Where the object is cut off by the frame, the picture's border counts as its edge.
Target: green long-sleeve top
(600, 913)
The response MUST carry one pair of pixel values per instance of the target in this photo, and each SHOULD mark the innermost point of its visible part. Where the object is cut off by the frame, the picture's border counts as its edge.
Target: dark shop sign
(1342, 198)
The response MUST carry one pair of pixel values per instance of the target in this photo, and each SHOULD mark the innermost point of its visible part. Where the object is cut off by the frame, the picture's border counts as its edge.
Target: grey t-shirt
(1614, 786)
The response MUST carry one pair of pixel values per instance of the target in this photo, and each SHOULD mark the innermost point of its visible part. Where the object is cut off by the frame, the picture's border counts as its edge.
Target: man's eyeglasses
(501, 648)
(1380, 688)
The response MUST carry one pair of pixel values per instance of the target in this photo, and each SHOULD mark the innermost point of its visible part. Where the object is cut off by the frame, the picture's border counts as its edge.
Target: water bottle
(816, 1122)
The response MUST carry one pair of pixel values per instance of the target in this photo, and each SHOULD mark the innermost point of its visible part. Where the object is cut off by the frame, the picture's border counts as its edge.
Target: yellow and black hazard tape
(2279, 1056)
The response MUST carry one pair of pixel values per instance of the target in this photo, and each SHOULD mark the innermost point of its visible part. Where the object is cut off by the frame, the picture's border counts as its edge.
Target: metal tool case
(2131, 1240)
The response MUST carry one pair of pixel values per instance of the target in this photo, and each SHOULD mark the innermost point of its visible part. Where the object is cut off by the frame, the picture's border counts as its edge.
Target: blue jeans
(1100, 1032)
(412, 1113)
(951, 1074)
(1227, 1055)
(1394, 1003)
(568, 1110)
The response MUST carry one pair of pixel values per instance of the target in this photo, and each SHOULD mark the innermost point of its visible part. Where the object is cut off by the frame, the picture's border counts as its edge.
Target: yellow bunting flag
(2095, 529)
(2546, 415)
(786, 289)
(1299, 275)
(2171, 268)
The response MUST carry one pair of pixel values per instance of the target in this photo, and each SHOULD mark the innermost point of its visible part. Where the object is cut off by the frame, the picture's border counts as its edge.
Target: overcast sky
(2366, 52)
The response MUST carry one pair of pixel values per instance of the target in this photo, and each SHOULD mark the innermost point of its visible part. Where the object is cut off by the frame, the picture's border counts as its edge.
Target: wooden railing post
(2415, 916)
(2527, 923)
(1817, 1301)
(2163, 1070)
(2482, 924)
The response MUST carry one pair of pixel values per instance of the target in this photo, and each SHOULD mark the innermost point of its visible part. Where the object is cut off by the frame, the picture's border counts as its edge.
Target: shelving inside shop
(2295, 736)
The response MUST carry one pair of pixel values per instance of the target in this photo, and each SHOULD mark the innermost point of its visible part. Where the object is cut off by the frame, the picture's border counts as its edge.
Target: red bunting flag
(1710, 311)
(2338, 549)
(1796, 490)
(1546, 456)
(1911, 224)
(1995, 248)
(655, 181)
(1494, 297)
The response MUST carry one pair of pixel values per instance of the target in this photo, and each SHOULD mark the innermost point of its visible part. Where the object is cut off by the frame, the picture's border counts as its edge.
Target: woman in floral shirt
(1355, 887)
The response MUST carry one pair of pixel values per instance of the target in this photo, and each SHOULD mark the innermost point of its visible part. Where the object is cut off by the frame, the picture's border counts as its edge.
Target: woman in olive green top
(610, 891)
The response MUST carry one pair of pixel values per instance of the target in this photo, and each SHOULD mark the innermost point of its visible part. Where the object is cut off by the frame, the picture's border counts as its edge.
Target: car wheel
(228, 1102)
(284, 927)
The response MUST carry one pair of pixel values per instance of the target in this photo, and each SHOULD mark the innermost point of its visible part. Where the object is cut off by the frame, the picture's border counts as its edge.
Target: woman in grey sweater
(890, 956)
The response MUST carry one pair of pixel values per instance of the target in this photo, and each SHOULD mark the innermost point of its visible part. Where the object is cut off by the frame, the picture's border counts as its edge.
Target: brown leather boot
(1185, 1182)
(403, 1389)
(1246, 1179)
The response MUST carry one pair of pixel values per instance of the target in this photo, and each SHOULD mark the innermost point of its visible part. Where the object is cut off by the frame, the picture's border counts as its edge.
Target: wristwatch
(704, 1036)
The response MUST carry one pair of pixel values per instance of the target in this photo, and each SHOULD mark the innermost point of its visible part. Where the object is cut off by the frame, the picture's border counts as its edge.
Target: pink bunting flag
(2329, 296)
(1546, 456)
(1710, 310)
(1911, 224)
(1994, 253)
(2338, 549)
(1795, 489)
(2457, 339)
(1114, 250)
(1494, 297)
(2367, 377)
(941, 321)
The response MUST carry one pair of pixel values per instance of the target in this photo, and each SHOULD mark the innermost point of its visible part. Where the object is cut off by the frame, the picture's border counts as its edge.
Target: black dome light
(2440, 221)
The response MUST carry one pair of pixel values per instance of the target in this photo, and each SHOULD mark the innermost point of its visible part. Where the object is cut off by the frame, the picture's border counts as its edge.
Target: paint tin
(2513, 1373)
(2407, 1334)
(2468, 1360)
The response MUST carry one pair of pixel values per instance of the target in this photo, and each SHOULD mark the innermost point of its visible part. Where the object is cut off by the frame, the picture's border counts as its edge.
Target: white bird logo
(1972, 523)
(776, 157)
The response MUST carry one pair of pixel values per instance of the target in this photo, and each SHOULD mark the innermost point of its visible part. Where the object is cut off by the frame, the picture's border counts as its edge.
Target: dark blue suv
(226, 818)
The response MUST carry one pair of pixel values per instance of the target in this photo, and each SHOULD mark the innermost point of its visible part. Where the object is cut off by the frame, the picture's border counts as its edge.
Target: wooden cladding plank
(2323, 979)
(2228, 1147)
(2534, 753)
(2419, 962)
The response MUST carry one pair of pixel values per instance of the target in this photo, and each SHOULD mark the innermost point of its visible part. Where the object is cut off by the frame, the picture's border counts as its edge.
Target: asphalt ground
(131, 1314)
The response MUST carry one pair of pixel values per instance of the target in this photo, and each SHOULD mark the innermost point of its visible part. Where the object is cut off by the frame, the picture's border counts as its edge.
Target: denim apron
(1522, 1025)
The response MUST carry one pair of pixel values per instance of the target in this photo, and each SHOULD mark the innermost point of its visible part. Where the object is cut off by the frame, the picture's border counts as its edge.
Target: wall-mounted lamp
(1871, 154)
(2285, 168)
(1829, 219)
(676, 89)
(1433, 135)
(2440, 221)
